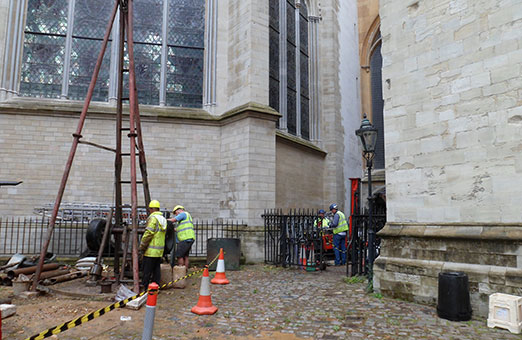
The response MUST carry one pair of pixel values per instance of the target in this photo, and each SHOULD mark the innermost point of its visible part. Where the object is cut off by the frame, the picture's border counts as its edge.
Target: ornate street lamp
(367, 134)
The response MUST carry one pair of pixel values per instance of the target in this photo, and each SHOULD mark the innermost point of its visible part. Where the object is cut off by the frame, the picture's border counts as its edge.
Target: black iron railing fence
(290, 236)
(359, 247)
(206, 230)
(26, 235)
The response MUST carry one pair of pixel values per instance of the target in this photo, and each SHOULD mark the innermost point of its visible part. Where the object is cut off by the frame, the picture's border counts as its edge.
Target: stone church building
(250, 105)
(245, 105)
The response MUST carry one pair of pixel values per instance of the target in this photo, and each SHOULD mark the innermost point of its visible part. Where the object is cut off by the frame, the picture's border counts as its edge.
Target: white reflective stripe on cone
(205, 286)
(220, 266)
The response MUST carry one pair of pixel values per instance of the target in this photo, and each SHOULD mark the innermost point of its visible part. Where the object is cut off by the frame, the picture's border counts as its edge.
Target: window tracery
(289, 84)
(63, 38)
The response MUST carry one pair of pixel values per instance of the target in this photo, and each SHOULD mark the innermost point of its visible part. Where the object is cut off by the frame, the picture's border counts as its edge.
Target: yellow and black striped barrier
(93, 315)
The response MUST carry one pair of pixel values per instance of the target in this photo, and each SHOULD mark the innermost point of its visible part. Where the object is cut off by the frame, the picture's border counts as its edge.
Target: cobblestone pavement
(261, 302)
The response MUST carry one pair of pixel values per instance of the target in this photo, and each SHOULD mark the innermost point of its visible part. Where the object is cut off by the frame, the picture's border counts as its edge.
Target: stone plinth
(412, 256)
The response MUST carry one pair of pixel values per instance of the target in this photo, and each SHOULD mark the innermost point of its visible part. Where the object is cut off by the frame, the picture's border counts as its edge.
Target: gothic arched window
(289, 65)
(377, 100)
(63, 39)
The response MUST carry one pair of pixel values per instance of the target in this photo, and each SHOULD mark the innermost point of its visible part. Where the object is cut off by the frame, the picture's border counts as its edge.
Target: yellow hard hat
(177, 207)
(154, 204)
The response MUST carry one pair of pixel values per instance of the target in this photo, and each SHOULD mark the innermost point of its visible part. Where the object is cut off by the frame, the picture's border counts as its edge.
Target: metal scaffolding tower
(125, 8)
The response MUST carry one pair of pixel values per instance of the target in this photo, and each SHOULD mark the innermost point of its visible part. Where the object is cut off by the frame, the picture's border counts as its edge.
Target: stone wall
(193, 169)
(248, 167)
(453, 110)
(412, 257)
(332, 129)
(242, 43)
(453, 117)
(299, 174)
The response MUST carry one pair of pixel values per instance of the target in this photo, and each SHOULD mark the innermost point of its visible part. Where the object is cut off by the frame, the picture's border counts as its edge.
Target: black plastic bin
(453, 301)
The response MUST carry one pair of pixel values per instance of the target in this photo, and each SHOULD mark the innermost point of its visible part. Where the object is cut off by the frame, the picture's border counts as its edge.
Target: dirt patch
(73, 299)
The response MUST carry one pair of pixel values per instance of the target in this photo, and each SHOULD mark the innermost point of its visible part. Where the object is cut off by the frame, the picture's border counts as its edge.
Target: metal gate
(359, 246)
(291, 239)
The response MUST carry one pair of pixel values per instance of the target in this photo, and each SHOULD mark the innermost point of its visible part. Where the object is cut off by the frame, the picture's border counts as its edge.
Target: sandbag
(166, 275)
(178, 272)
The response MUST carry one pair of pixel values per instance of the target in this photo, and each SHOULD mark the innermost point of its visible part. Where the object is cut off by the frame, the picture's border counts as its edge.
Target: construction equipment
(86, 212)
(125, 8)
(96, 269)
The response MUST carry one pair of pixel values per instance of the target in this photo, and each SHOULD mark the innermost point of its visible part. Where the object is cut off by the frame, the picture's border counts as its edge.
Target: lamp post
(367, 134)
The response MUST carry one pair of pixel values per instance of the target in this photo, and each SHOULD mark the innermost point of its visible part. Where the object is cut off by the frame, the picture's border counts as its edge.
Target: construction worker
(152, 244)
(185, 234)
(340, 227)
(320, 221)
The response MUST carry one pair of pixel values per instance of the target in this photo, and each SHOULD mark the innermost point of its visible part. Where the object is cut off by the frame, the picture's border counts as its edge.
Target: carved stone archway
(370, 42)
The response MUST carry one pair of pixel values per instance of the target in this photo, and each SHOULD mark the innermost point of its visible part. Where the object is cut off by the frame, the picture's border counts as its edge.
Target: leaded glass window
(185, 53)
(290, 79)
(274, 82)
(42, 68)
(377, 102)
(90, 21)
(291, 67)
(147, 49)
(63, 39)
(304, 61)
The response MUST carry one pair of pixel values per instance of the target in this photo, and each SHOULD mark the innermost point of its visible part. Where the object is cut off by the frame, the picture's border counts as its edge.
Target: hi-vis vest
(324, 222)
(157, 224)
(186, 229)
(342, 225)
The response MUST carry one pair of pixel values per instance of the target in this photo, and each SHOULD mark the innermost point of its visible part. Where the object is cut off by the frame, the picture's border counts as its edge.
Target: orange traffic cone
(303, 257)
(220, 277)
(204, 305)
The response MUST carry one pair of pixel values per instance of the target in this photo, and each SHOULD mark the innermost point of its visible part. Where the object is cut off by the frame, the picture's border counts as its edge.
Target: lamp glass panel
(369, 139)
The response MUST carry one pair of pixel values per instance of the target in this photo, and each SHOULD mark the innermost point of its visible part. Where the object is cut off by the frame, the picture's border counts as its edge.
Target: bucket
(106, 287)
(20, 286)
